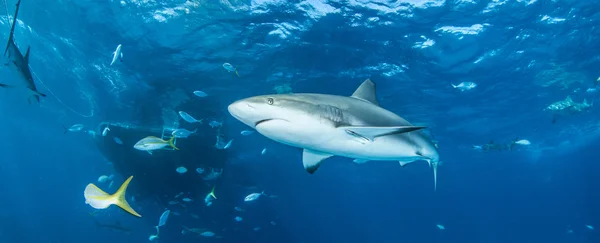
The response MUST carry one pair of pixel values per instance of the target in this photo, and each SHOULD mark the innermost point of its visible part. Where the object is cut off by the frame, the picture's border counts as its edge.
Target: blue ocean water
(523, 55)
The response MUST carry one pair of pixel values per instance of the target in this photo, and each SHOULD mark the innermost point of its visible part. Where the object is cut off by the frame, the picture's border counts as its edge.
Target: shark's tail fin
(434, 166)
(66, 129)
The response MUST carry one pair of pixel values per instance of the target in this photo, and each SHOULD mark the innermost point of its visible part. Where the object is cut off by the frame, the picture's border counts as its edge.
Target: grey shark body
(327, 125)
(19, 63)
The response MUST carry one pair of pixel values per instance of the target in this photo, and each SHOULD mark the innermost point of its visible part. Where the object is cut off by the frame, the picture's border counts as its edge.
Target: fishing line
(91, 114)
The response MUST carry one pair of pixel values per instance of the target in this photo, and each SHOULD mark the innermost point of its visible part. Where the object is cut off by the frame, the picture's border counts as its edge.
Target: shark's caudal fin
(366, 92)
(12, 28)
(312, 160)
(172, 144)
(212, 193)
(434, 166)
(99, 199)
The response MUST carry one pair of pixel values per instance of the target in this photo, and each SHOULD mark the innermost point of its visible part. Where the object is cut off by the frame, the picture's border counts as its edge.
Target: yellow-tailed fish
(99, 199)
(151, 143)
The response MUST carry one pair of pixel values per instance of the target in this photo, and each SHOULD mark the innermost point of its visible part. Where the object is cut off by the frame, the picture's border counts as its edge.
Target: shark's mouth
(267, 120)
(262, 121)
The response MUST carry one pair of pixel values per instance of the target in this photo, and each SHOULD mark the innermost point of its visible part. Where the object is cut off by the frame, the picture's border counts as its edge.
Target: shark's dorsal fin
(370, 133)
(26, 57)
(312, 159)
(366, 92)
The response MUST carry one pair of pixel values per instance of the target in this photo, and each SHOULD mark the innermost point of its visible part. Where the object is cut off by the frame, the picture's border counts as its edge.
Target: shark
(19, 63)
(325, 125)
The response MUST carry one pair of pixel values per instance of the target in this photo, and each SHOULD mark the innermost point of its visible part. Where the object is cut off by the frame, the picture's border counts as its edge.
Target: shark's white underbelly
(327, 139)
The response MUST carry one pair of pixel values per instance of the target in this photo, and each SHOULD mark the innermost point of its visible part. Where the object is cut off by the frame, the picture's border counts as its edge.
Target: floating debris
(105, 131)
(464, 86)
(200, 94)
(181, 170)
(188, 118)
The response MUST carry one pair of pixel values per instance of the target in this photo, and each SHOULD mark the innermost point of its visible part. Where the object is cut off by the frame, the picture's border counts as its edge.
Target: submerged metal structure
(155, 174)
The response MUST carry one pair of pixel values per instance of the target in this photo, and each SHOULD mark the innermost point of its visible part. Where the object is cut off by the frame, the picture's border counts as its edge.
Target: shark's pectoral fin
(366, 92)
(370, 133)
(403, 163)
(312, 160)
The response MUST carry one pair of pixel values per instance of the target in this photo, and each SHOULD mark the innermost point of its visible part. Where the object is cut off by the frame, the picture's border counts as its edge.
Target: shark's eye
(270, 101)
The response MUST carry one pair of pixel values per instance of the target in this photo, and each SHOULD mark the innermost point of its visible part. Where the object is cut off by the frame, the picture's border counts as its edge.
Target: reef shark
(325, 125)
(19, 63)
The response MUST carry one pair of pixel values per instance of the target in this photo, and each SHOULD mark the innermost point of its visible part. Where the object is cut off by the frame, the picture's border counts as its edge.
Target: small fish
(181, 170)
(214, 124)
(273, 223)
(118, 140)
(464, 86)
(188, 118)
(238, 209)
(246, 132)
(441, 227)
(152, 237)
(152, 143)
(111, 184)
(182, 133)
(210, 196)
(199, 170)
(589, 227)
(185, 199)
(228, 144)
(200, 93)
(173, 202)
(207, 234)
(194, 216)
(74, 128)
(117, 54)
(263, 152)
(254, 196)
(238, 218)
(102, 179)
(163, 218)
(523, 142)
(230, 68)
(99, 199)
(105, 131)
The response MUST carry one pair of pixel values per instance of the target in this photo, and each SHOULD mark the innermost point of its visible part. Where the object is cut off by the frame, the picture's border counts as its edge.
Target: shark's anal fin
(371, 133)
(312, 160)
(366, 92)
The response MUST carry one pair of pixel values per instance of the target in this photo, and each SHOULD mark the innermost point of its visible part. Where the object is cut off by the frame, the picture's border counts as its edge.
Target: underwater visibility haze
(368, 121)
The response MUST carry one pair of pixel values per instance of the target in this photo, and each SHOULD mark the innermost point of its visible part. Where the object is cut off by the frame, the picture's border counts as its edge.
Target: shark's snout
(243, 111)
